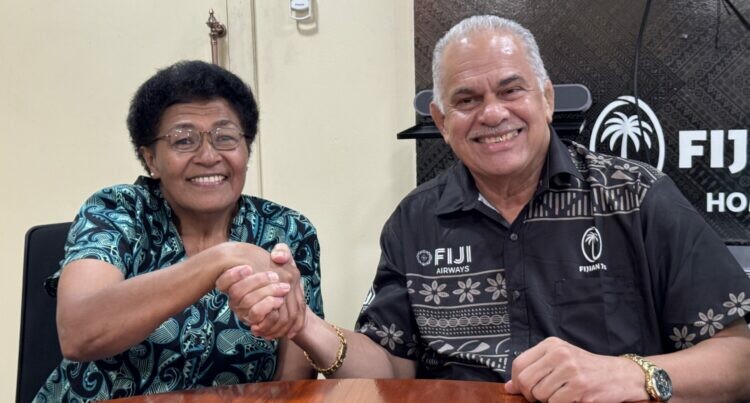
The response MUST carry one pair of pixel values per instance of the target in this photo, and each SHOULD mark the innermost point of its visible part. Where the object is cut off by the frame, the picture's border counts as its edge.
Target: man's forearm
(364, 358)
(714, 370)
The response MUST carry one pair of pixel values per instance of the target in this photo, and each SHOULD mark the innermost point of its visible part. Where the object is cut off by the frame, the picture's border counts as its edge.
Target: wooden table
(342, 390)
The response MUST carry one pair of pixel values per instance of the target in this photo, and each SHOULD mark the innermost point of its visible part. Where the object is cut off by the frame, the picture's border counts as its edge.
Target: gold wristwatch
(658, 384)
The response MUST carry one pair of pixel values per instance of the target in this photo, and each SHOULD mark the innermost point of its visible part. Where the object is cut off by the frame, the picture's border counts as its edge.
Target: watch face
(662, 384)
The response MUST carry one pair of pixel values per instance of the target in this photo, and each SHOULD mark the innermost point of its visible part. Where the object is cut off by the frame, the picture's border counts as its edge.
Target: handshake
(267, 296)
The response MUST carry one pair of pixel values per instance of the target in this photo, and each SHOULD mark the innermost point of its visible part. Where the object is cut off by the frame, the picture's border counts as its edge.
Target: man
(534, 262)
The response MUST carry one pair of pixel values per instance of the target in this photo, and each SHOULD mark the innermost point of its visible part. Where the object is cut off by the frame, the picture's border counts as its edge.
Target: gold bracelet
(340, 355)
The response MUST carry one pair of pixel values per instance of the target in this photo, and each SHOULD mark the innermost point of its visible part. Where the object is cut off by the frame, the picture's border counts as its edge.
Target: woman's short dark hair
(184, 82)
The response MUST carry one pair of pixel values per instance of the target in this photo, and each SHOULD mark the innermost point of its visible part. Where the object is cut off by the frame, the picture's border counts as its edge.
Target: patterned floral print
(682, 338)
(433, 292)
(466, 290)
(131, 228)
(462, 321)
(708, 322)
(497, 287)
(738, 305)
(390, 336)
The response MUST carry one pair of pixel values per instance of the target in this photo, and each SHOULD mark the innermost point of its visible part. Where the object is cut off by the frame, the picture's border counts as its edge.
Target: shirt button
(514, 237)
(516, 353)
(516, 295)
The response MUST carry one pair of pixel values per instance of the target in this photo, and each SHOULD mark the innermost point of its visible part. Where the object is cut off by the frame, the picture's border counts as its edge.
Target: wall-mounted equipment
(301, 9)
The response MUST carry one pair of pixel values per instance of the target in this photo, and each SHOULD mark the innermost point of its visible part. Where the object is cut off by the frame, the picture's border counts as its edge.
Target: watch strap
(648, 370)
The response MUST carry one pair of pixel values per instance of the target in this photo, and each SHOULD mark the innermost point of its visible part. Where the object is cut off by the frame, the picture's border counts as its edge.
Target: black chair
(39, 349)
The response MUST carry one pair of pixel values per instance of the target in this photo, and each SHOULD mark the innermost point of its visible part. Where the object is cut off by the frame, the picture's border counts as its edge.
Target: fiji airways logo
(618, 131)
(591, 246)
(447, 260)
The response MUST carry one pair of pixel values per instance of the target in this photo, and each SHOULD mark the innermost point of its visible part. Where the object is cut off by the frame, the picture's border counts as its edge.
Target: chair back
(39, 349)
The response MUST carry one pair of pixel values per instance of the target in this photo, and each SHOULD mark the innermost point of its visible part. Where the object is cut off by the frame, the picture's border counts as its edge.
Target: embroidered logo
(618, 133)
(591, 244)
(424, 257)
(450, 260)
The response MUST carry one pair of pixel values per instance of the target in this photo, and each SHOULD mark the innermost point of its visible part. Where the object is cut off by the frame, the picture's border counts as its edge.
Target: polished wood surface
(342, 390)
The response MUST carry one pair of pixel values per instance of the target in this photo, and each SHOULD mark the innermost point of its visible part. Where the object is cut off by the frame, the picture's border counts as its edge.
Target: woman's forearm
(100, 314)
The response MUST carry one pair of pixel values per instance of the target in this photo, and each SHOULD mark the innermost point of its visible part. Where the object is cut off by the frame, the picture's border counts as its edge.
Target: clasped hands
(267, 296)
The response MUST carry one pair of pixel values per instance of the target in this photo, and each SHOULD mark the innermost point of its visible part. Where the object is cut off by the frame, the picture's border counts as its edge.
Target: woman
(137, 310)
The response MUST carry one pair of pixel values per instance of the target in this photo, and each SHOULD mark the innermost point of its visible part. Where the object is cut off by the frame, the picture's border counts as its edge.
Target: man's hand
(252, 296)
(557, 371)
(267, 294)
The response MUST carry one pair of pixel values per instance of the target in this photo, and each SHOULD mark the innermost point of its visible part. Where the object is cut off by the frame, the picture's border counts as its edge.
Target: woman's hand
(253, 296)
(266, 294)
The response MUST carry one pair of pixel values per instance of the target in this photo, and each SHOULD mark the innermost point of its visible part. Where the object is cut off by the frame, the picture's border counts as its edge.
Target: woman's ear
(148, 156)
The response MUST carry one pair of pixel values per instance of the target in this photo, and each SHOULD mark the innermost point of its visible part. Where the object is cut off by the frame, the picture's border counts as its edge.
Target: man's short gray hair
(484, 23)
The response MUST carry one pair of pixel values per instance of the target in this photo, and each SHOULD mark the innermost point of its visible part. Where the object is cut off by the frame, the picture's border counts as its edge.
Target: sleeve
(386, 316)
(700, 285)
(101, 230)
(306, 251)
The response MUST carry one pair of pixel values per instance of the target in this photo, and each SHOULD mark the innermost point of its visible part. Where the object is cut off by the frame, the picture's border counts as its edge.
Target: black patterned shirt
(608, 255)
(131, 227)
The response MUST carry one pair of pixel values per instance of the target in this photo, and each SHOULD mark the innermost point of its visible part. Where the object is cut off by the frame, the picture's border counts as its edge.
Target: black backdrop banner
(693, 87)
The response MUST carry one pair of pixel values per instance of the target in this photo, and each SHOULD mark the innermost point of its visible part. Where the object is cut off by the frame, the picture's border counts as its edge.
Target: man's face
(496, 117)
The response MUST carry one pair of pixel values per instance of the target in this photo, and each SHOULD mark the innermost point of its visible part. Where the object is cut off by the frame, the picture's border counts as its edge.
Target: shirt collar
(460, 192)
(153, 187)
(559, 166)
(237, 231)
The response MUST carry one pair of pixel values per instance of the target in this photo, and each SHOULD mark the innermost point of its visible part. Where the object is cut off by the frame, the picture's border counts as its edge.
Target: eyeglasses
(186, 139)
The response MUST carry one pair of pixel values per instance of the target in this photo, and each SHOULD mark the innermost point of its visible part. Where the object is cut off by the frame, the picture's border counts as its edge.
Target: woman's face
(204, 181)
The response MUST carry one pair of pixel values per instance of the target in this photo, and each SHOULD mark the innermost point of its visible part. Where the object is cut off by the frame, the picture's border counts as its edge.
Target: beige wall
(332, 99)
(331, 105)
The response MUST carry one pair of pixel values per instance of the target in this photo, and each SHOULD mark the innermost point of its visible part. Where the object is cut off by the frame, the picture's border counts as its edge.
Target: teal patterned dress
(131, 227)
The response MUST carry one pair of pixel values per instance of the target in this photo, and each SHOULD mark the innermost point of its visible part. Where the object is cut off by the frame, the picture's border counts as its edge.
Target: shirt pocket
(601, 315)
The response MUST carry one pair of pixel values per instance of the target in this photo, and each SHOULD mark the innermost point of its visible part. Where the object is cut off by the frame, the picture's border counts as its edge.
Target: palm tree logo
(591, 244)
(626, 129)
(618, 129)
